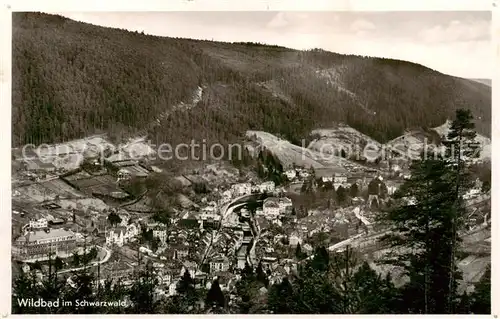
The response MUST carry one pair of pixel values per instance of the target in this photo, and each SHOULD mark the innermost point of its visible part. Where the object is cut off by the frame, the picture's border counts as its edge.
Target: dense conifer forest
(72, 79)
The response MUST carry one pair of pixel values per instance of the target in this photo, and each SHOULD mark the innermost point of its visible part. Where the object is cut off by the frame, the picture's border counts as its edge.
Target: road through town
(95, 263)
(225, 211)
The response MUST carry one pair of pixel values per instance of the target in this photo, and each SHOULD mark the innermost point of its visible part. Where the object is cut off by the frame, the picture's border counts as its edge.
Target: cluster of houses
(293, 174)
(128, 231)
(180, 246)
(177, 260)
(242, 189)
(332, 176)
(275, 207)
(206, 217)
(121, 235)
(45, 233)
(232, 241)
(169, 274)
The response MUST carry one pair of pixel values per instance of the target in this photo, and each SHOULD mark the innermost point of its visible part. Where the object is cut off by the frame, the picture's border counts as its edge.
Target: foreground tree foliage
(425, 224)
(338, 284)
(186, 301)
(421, 221)
(215, 298)
(142, 292)
(480, 299)
(247, 290)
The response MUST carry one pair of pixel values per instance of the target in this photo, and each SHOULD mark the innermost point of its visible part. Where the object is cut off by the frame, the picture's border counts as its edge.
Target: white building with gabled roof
(291, 174)
(268, 186)
(241, 189)
(331, 174)
(271, 207)
(39, 223)
(116, 236)
(285, 205)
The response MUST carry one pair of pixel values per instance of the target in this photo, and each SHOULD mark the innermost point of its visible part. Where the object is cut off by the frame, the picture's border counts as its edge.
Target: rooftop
(118, 229)
(268, 183)
(118, 157)
(136, 170)
(271, 204)
(116, 266)
(285, 200)
(53, 233)
(220, 259)
(124, 163)
(329, 171)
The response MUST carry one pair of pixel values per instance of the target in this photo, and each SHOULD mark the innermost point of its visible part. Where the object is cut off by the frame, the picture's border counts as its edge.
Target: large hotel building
(39, 243)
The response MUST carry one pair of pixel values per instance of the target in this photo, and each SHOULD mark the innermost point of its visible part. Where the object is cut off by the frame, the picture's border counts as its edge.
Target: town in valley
(309, 192)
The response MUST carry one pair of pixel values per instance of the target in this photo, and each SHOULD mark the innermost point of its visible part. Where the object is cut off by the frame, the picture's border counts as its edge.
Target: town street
(95, 263)
(225, 212)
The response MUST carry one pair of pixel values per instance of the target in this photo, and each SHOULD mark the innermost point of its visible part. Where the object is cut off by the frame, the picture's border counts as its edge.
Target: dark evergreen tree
(343, 153)
(142, 292)
(76, 259)
(464, 305)
(112, 291)
(247, 290)
(383, 190)
(374, 187)
(421, 228)
(344, 283)
(313, 292)
(461, 147)
(260, 275)
(281, 298)
(114, 219)
(486, 186)
(82, 288)
(186, 299)
(353, 190)
(247, 272)
(342, 288)
(25, 287)
(215, 298)
(341, 195)
(58, 264)
(426, 222)
(201, 188)
(298, 252)
(481, 297)
(162, 217)
(371, 294)
(321, 259)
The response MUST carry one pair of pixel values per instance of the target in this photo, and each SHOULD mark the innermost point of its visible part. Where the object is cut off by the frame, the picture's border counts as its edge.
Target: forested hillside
(72, 79)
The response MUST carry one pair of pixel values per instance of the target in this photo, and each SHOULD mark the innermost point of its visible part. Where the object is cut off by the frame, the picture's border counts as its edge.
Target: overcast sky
(456, 43)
